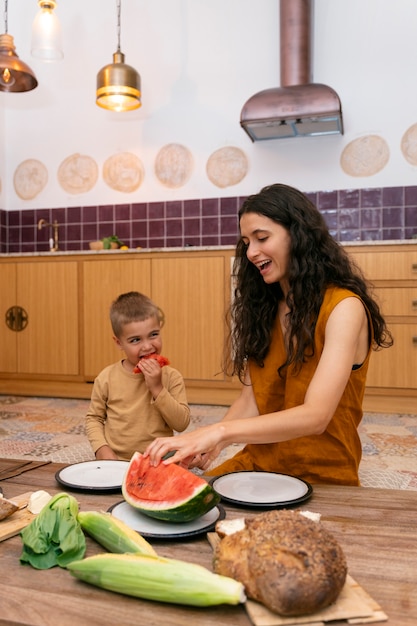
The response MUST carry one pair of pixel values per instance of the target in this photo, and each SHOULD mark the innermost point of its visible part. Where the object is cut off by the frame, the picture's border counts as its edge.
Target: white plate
(150, 527)
(93, 475)
(261, 489)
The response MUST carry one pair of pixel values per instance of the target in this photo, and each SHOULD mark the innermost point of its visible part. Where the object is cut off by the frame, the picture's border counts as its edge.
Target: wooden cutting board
(353, 606)
(12, 525)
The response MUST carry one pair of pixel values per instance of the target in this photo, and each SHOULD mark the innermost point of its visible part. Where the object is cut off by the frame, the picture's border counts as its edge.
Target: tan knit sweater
(123, 414)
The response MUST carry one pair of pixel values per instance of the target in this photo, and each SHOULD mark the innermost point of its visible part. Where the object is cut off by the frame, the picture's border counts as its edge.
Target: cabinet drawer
(397, 300)
(398, 265)
(396, 366)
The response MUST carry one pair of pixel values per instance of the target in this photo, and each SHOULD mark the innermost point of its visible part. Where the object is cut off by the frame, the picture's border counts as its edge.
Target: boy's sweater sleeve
(96, 417)
(172, 401)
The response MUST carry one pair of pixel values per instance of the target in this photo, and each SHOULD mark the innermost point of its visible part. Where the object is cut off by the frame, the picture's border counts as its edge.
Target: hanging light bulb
(46, 33)
(118, 84)
(15, 75)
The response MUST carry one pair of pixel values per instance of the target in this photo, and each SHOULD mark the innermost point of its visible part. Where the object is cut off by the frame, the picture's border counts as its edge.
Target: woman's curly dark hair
(316, 262)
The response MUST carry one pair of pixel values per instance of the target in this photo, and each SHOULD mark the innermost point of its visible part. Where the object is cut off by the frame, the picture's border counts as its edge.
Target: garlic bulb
(38, 500)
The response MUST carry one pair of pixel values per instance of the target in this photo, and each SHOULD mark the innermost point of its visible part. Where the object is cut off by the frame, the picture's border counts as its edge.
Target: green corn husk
(113, 534)
(158, 578)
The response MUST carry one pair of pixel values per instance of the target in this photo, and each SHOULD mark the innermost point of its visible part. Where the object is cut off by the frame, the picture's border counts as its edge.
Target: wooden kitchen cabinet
(396, 367)
(103, 280)
(192, 291)
(68, 339)
(392, 375)
(192, 295)
(47, 292)
(8, 352)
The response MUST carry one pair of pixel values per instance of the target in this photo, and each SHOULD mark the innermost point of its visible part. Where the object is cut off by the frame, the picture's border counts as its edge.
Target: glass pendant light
(118, 84)
(46, 33)
(15, 75)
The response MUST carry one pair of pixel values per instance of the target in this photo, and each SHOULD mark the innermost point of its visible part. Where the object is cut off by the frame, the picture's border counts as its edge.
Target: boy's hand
(153, 375)
(105, 453)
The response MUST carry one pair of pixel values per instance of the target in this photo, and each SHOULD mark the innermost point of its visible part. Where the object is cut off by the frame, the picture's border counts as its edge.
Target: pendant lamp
(46, 33)
(15, 75)
(118, 84)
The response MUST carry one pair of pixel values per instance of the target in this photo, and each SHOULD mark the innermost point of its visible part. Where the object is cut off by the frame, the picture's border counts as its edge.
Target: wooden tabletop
(377, 529)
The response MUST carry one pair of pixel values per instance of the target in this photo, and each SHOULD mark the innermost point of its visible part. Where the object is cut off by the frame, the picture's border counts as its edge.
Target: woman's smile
(264, 266)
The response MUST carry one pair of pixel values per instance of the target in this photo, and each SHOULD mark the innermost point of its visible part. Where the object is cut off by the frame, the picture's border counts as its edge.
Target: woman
(303, 326)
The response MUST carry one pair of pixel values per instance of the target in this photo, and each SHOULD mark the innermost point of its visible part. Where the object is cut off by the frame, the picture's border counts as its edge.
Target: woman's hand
(198, 448)
(201, 461)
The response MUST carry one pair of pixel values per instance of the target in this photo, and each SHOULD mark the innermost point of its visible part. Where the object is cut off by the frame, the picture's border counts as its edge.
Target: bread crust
(289, 563)
(7, 508)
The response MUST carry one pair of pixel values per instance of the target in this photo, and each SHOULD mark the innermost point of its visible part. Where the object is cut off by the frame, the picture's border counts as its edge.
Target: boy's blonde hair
(133, 307)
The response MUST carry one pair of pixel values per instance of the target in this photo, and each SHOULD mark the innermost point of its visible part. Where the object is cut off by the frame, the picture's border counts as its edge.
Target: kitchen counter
(76, 288)
(117, 252)
(375, 527)
(347, 244)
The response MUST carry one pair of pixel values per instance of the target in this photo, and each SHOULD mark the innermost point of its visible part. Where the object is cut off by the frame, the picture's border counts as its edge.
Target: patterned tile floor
(53, 429)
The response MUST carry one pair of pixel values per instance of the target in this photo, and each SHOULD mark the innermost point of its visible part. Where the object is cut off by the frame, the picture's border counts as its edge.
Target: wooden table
(377, 529)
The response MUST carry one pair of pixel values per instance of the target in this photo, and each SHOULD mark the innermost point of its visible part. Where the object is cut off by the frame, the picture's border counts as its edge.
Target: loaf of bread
(7, 508)
(287, 562)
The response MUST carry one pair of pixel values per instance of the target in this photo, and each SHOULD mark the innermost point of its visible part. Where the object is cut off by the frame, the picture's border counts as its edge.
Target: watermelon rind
(166, 492)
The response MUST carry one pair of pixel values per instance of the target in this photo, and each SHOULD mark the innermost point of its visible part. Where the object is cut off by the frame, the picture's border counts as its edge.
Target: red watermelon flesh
(162, 360)
(166, 492)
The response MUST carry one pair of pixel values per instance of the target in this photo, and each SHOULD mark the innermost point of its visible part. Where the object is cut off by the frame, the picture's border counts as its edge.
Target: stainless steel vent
(299, 107)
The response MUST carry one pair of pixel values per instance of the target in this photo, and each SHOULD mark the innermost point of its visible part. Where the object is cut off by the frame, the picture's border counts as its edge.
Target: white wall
(200, 60)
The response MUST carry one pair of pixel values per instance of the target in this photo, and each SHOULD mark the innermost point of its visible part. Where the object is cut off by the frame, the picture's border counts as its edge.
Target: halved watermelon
(166, 492)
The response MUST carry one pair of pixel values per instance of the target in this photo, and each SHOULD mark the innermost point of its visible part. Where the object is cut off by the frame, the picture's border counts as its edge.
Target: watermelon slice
(162, 360)
(166, 492)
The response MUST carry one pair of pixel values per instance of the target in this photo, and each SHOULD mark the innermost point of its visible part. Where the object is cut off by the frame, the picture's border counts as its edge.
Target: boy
(127, 409)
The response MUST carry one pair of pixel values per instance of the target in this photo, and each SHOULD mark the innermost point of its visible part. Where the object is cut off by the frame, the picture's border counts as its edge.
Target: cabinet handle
(414, 304)
(16, 318)
(414, 267)
(414, 340)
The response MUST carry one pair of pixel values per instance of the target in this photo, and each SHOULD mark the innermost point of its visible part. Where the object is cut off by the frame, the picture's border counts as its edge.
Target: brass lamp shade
(118, 86)
(15, 75)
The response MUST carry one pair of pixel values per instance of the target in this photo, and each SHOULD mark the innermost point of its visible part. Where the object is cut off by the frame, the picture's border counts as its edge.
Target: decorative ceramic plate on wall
(365, 156)
(227, 166)
(123, 172)
(174, 165)
(409, 144)
(78, 173)
(30, 178)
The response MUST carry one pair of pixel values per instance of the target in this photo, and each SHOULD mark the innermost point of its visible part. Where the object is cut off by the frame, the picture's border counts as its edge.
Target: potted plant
(107, 243)
(112, 242)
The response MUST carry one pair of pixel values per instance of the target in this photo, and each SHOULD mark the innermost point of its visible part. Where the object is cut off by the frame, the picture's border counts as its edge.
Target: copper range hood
(298, 108)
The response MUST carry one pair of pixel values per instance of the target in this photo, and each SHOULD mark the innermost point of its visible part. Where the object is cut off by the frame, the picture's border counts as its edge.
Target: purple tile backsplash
(388, 213)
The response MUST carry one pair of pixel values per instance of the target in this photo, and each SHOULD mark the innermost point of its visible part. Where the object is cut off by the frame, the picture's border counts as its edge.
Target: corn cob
(158, 578)
(113, 534)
